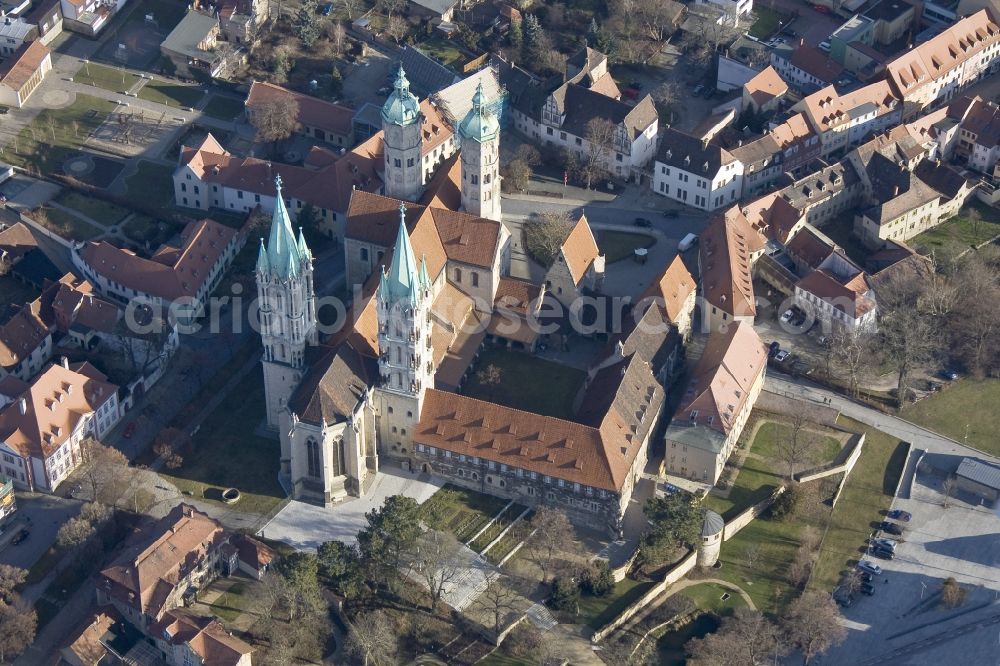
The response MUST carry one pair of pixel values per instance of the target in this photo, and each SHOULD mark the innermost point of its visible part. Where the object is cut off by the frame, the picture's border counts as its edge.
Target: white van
(687, 242)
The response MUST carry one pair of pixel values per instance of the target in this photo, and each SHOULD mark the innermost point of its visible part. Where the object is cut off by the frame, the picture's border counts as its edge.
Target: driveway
(305, 526)
(42, 515)
(960, 541)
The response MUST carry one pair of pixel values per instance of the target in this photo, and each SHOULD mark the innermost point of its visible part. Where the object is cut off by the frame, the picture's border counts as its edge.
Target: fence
(679, 571)
(835, 468)
(787, 405)
(747, 516)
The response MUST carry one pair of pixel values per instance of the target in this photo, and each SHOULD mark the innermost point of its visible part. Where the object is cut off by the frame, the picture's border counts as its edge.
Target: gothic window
(364, 254)
(397, 163)
(312, 458)
(409, 162)
(475, 179)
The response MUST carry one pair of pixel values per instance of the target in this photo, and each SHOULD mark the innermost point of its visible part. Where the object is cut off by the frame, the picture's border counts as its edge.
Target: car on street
(890, 528)
(643, 222)
(899, 514)
(870, 567)
(787, 315)
(868, 588)
(21, 535)
(671, 214)
(781, 356)
(889, 544)
(130, 429)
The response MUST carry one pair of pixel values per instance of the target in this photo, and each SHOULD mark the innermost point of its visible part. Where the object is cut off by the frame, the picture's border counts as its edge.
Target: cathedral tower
(406, 361)
(401, 124)
(287, 309)
(480, 136)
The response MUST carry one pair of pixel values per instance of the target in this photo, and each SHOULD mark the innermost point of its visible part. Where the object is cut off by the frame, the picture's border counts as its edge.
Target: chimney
(620, 349)
(802, 41)
(65, 362)
(895, 190)
(23, 406)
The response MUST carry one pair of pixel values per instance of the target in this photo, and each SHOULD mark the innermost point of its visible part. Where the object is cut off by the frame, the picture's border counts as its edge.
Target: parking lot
(42, 516)
(905, 621)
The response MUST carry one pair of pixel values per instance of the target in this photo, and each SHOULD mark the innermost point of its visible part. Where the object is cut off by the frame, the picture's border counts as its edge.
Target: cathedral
(434, 260)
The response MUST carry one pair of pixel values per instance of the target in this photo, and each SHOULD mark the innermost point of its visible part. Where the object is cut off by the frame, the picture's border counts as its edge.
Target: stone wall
(748, 515)
(844, 467)
(784, 405)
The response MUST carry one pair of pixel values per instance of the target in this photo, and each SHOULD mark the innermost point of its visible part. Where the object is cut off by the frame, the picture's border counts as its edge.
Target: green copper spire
(284, 253)
(480, 124)
(402, 281)
(401, 108)
(262, 264)
(425, 279)
(303, 248)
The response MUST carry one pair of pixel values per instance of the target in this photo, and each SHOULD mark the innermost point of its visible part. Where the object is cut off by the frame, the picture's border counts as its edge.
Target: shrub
(565, 594)
(784, 506)
(596, 580)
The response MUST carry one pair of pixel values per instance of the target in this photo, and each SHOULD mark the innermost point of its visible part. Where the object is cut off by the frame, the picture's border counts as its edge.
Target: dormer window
(694, 415)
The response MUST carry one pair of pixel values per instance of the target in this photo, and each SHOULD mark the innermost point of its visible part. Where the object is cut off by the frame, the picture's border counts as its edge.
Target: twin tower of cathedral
(284, 266)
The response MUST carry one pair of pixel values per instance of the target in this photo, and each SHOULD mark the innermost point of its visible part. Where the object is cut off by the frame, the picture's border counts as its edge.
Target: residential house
(716, 404)
(25, 341)
(177, 278)
(764, 92)
(727, 250)
(824, 194)
(100, 639)
(979, 132)
(436, 10)
(806, 68)
(22, 73)
(16, 242)
(955, 189)
(14, 32)
(43, 424)
(936, 70)
(845, 120)
(785, 148)
(241, 20)
(837, 292)
(188, 639)
(578, 266)
(317, 119)
(696, 172)
(732, 8)
(194, 47)
(89, 17)
(47, 18)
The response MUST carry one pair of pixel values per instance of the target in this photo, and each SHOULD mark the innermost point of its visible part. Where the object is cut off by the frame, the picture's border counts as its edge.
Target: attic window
(694, 415)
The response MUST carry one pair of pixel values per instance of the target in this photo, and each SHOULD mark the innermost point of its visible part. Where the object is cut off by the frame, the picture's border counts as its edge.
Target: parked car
(824, 46)
(773, 348)
(866, 577)
(844, 600)
(884, 543)
(698, 90)
(870, 567)
(671, 214)
(899, 514)
(781, 356)
(643, 222)
(868, 588)
(883, 553)
(949, 374)
(890, 528)
(21, 535)
(822, 9)
(787, 315)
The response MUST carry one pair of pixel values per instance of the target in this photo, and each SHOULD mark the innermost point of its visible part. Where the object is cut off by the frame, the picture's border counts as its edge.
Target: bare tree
(544, 235)
(274, 119)
(497, 600)
(390, 7)
(852, 352)
(908, 335)
(797, 445)
(746, 638)
(104, 469)
(952, 594)
(396, 27)
(657, 17)
(947, 488)
(811, 623)
(436, 559)
(338, 38)
(751, 555)
(975, 334)
(975, 224)
(350, 6)
(10, 578)
(491, 376)
(372, 639)
(517, 174)
(550, 531)
(600, 138)
(18, 622)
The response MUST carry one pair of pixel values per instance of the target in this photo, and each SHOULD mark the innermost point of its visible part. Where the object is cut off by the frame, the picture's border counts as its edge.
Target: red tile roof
(313, 112)
(20, 66)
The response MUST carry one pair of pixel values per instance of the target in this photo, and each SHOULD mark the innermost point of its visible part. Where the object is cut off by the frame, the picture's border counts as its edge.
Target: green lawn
(15, 291)
(143, 229)
(231, 603)
(64, 224)
(223, 107)
(708, 597)
(766, 444)
(498, 658)
(957, 234)
(102, 212)
(618, 245)
(227, 453)
(152, 184)
(964, 408)
(461, 511)
(868, 490)
(598, 611)
(766, 23)
(55, 134)
(109, 78)
(443, 51)
(171, 94)
(527, 383)
(499, 525)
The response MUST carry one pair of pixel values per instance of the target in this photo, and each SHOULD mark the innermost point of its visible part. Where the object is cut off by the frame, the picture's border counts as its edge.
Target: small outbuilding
(978, 478)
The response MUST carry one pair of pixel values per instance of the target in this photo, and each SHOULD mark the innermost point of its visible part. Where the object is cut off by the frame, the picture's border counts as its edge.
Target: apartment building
(696, 172)
(845, 120)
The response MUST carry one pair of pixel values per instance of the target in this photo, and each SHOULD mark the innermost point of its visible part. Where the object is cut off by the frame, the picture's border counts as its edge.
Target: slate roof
(980, 472)
(683, 151)
(331, 390)
(942, 178)
(427, 76)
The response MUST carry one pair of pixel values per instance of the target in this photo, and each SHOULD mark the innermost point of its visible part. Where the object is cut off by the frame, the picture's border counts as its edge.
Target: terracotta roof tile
(313, 112)
(672, 288)
(21, 65)
(16, 241)
(580, 249)
(766, 86)
(725, 251)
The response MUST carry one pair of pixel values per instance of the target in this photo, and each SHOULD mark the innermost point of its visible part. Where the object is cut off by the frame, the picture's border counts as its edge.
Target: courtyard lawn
(56, 134)
(766, 444)
(461, 511)
(230, 604)
(958, 234)
(527, 383)
(596, 612)
(868, 491)
(618, 245)
(171, 94)
(443, 51)
(152, 184)
(224, 107)
(226, 452)
(64, 224)
(708, 597)
(143, 230)
(966, 407)
(15, 291)
(766, 23)
(102, 212)
(109, 78)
